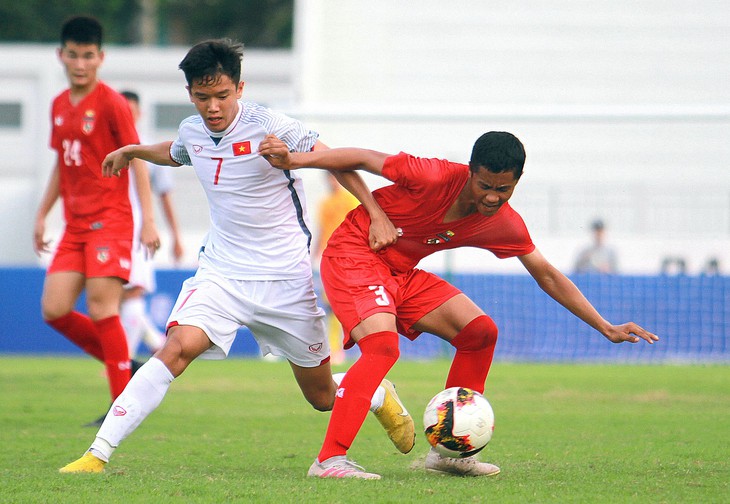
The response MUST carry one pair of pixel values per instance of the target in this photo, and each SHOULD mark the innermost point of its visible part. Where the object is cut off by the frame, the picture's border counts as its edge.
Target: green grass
(239, 431)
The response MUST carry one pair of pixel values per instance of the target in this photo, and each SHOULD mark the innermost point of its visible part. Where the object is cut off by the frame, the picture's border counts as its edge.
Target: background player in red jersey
(89, 120)
(436, 205)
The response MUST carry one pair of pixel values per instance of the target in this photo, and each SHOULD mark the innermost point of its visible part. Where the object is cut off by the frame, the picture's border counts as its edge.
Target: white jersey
(259, 223)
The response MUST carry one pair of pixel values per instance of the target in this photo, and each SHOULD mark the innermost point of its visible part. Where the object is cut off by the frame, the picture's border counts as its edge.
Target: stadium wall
(624, 109)
(689, 313)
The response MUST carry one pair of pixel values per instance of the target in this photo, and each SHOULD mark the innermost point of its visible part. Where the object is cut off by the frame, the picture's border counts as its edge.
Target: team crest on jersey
(315, 348)
(88, 121)
(444, 237)
(58, 120)
(102, 254)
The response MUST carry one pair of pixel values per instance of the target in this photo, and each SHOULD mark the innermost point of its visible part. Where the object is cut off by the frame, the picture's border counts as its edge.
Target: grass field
(239, 431)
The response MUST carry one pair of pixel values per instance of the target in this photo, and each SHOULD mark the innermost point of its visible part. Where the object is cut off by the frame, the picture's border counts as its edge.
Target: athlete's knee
(321, 400)
(53, 308)
(320, 393)
(51, 313)
(477, 335)
(382, 344)
(175, 354)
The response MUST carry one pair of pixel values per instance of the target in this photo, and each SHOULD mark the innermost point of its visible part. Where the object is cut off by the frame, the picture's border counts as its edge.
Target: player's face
(216, 101)
(491, 190)
(81, 61)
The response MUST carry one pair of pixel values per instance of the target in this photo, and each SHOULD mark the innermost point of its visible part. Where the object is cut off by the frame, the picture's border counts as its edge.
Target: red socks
(379, 354)
(81, 331)
(103, 339)
(116, 354)
(474, 351)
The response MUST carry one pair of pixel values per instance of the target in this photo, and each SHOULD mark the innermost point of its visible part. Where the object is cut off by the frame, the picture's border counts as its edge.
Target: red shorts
(93, 256)
(358, 287)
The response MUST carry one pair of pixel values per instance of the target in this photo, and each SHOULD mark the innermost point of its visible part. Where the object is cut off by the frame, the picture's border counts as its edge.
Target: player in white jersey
(254, 268)
(133, 311)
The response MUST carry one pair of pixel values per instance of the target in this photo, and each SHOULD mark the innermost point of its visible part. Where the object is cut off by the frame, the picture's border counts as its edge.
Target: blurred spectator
(598, 257)
(133, 311)
(674, 266)
(712, 267)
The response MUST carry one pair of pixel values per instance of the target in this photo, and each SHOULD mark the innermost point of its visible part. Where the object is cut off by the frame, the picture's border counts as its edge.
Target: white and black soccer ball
(458, 422)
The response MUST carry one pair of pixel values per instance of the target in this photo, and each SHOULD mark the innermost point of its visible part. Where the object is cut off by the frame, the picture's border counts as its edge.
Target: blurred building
(623, 107)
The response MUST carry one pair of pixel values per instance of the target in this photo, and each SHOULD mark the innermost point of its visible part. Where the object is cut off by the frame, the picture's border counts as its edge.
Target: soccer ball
(458, 422)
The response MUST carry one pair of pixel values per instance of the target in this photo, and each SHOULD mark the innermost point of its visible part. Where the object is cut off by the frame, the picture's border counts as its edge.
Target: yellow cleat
(396, 420)
(86, 464)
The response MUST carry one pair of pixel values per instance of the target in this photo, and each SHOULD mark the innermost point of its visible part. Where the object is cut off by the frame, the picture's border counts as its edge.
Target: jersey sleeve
(510, 238)
(179, 153)
(289, 130)
(416, 173)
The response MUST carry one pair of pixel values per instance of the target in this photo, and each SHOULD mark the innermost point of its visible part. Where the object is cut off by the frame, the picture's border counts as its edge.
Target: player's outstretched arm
(277, 154)
(560, 288)
(118, 160)
(382, 231)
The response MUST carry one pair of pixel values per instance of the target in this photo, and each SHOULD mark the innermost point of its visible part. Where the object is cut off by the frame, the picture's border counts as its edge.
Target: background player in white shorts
(133, 312)
(254, 267)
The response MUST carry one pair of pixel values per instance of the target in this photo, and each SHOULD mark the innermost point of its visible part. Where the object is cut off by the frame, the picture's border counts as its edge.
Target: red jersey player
(89, 120)
(436, 205)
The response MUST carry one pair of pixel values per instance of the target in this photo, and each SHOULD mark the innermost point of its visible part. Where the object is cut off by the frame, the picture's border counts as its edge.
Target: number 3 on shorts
(381, 297)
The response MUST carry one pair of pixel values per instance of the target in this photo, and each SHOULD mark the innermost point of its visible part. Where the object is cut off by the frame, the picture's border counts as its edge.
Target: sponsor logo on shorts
(119, 411)
(102, 254)
(340, 392)
(125, 264)
(315, 348)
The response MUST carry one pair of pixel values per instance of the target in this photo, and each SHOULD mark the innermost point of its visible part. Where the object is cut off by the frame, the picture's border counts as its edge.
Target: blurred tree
(256, 23)
(41, 20)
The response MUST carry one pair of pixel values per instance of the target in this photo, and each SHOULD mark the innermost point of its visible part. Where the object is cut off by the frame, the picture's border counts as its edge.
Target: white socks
(141, 396)
(138, 326)
(132, 313)
(378, 397)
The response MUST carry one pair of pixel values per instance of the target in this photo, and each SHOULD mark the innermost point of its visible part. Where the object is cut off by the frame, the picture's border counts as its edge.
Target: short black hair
(207, 61)
(498, 152)
(130, 96)
(82, 30)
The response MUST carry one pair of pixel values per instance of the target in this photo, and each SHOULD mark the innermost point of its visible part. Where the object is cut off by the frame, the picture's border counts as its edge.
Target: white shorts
(283, 315)
(142, 273)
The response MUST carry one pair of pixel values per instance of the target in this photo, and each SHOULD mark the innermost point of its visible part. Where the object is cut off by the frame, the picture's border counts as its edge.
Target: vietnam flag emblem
(241, 148)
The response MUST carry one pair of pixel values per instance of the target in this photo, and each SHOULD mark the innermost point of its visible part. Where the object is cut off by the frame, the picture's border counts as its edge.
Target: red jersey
(82, 135)
(423, 190)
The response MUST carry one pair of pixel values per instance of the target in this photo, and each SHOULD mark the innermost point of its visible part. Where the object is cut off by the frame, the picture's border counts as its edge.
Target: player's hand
(114, 163)
(630, 332)
(40, 245)
(275, 152)
(382, 232)
(149, 238)
(177, 250)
